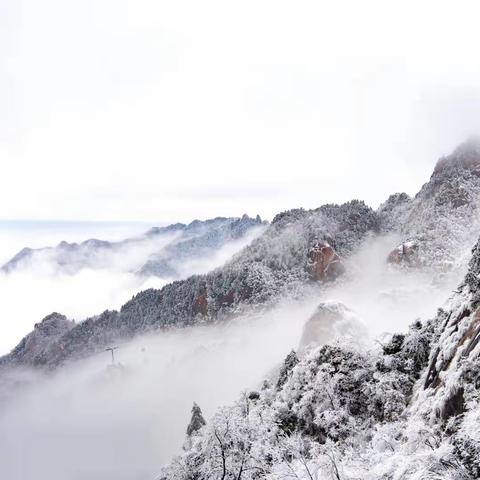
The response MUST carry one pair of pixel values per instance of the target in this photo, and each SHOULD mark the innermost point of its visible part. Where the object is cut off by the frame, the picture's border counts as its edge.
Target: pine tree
(197, 421)
(290, 361)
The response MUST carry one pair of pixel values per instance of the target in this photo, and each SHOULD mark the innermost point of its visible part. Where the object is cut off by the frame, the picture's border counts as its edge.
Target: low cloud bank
(93, 420)
(40, 288)
(98, 421)
(388, 298)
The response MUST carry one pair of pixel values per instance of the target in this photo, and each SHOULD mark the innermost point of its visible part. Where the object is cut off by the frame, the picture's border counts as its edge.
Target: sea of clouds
(96, 420)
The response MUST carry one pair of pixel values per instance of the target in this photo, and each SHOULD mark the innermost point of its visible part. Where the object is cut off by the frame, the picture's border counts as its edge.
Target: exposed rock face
(452, 379)
(325, 264)
(458, 330)
(331, 320)
(405, 254)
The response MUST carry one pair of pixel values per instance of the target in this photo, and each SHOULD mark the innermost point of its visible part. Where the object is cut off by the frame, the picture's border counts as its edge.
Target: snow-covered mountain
(298, 251)
(167, 252)
(338, 407)
(444, 215)
(409, 409)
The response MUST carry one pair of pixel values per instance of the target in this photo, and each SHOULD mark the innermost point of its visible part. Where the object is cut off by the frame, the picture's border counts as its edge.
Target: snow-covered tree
(197, 421)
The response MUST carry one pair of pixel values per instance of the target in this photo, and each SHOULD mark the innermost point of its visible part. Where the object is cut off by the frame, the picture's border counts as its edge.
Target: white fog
(129, 419)
(239, 240)
(90, 290)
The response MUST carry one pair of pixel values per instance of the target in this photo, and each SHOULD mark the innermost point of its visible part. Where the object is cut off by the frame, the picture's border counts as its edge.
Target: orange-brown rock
(325, 264)
(406, 253)
(200, 306)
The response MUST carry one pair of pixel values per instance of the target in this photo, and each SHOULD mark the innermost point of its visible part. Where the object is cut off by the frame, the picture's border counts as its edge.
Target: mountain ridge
(161, 251)
(287, 256)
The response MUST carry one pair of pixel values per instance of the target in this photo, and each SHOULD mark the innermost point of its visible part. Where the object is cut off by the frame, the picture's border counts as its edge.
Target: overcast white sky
(170, 110)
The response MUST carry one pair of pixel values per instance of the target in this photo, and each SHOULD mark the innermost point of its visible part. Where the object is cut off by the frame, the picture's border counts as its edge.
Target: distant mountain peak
(199, 238)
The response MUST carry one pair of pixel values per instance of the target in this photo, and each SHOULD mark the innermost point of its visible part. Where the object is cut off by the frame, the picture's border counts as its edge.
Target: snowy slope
(407, 410)
(444, 215)
(281, 261)
(167, 252)
(298, 250)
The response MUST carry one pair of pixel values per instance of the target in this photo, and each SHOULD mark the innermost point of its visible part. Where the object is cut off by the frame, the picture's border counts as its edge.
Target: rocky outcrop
(458, 333)
(324, 262)
(331, 320)
(405, 254)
